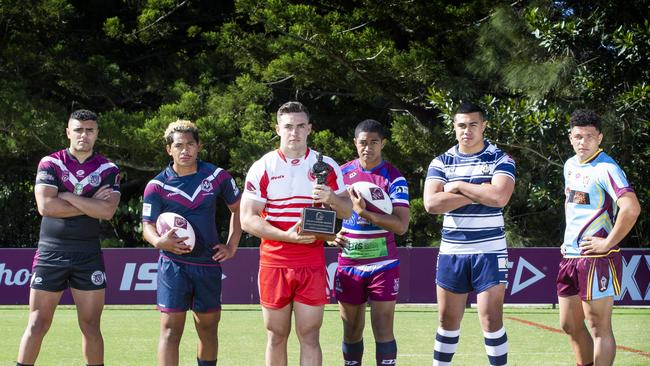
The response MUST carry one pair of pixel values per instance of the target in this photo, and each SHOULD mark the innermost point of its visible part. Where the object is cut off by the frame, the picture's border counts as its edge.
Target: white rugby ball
(376, 198)
(168, 220)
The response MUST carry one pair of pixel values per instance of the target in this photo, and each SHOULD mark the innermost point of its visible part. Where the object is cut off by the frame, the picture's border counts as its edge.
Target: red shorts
(281, 286)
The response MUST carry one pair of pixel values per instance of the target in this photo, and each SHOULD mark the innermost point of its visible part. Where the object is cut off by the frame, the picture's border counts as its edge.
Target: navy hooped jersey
(64, 172)
(194, 197)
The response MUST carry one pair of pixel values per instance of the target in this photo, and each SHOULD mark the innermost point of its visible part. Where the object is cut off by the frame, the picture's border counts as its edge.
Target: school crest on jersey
(94, 180)
(206, 185)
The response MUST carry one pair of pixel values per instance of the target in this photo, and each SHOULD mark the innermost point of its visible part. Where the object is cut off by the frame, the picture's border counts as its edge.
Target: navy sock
(206, 363)
(386, 353)
(352, 353)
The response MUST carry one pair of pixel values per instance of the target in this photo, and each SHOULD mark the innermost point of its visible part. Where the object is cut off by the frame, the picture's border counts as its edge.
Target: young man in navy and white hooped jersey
(469, 184)
(74, 189)
(190, 278)
(368, 263)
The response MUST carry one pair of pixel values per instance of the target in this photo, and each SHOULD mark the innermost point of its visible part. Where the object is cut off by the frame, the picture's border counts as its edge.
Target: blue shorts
(463, 273)
(184, 286)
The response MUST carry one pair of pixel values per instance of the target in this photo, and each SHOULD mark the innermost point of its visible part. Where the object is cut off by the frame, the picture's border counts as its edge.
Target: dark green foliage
(228, 65)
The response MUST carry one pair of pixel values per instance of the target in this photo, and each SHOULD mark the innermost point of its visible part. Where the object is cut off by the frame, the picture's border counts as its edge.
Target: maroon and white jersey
(285, 186)
(61, 170)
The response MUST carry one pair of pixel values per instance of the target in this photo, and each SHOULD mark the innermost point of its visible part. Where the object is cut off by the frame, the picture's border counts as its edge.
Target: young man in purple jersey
(368, 269)
(190, 278)
(74, 189)
(601, 209)
(469, 184)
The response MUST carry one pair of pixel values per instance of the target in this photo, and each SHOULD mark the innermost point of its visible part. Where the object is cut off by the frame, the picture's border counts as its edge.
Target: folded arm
(497, 193)
(102, 205)
(437, 201)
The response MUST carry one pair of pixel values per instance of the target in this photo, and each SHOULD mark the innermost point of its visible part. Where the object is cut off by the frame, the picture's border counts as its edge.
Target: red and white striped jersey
(285, 186)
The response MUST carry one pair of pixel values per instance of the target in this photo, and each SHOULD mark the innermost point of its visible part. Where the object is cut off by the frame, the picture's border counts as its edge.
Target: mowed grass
(131, 337)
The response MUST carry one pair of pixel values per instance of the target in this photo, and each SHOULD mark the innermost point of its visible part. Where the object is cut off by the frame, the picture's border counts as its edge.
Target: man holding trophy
(291, 199)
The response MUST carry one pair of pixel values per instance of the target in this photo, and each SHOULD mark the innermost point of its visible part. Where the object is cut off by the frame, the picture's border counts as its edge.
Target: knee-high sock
(445, 346)
(353, 353)
(386, 353)
(496, 347)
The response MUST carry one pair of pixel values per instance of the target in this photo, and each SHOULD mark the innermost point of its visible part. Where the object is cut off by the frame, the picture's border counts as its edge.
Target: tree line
(228, 65)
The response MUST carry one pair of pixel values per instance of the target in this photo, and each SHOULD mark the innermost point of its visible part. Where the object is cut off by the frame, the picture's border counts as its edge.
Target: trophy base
(320, 222)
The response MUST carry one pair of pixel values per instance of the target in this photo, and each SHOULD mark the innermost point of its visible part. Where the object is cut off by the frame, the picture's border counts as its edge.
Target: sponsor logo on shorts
(97, 278)
(395, 286)
(603, 284)
(36, 280)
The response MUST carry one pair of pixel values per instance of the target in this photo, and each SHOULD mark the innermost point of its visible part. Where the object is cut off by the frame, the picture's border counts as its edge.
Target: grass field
(131, 335)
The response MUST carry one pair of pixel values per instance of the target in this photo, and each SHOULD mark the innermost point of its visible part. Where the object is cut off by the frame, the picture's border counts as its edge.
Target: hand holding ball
(170, 220)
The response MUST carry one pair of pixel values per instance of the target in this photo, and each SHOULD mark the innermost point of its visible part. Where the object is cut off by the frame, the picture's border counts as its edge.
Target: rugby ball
(377, 199)
(168, 220)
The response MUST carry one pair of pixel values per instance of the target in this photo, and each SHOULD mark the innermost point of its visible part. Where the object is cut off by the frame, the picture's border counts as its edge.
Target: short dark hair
(585, 117)
(181, 126)
(468, 107)
(292, 107)
(83, 115)
(370, 125)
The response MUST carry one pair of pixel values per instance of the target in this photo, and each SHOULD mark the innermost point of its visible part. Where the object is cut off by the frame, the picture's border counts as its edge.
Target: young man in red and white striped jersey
(292, 276)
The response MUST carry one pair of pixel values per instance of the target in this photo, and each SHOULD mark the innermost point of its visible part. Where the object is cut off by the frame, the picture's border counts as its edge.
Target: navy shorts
(55, 271)
(463, 273)
(183, 286)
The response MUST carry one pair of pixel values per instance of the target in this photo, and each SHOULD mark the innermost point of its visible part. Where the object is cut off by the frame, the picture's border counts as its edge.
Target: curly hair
(181, 126)
(585, 117)
(83, 115)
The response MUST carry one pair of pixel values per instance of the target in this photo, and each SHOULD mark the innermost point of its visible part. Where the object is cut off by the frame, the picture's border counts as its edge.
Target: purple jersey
(61, 170)
(194, 197)
(368, 243)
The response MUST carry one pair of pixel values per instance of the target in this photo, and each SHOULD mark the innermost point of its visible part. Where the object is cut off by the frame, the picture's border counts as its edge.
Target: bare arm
(253, 223)
(166, 242)
(629, 210)
(437, 201)
(227, 251)
(102, 205)
(49, 204)
(397, 222)
(495, 194)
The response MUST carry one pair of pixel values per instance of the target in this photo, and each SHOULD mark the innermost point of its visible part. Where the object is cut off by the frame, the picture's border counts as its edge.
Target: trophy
(319, 221)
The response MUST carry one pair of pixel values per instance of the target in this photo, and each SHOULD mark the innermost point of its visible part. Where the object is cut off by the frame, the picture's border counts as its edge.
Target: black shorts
(56, 271)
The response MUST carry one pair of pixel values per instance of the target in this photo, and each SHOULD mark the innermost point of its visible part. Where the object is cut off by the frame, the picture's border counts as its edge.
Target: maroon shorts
(590, 277)
(355, 285)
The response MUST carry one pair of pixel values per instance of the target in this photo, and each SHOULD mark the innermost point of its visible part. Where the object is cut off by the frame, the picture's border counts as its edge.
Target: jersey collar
(293, 161)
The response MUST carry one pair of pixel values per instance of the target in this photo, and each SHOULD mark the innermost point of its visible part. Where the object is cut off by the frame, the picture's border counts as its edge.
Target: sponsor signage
(131, 276)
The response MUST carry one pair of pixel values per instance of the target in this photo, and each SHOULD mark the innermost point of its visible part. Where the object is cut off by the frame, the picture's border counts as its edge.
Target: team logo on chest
(485, 169)
(65, 176)
(94, 180)
(206, 186)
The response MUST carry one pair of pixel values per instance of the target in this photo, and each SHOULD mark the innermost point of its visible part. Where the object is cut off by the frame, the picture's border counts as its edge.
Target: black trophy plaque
(319, 221)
